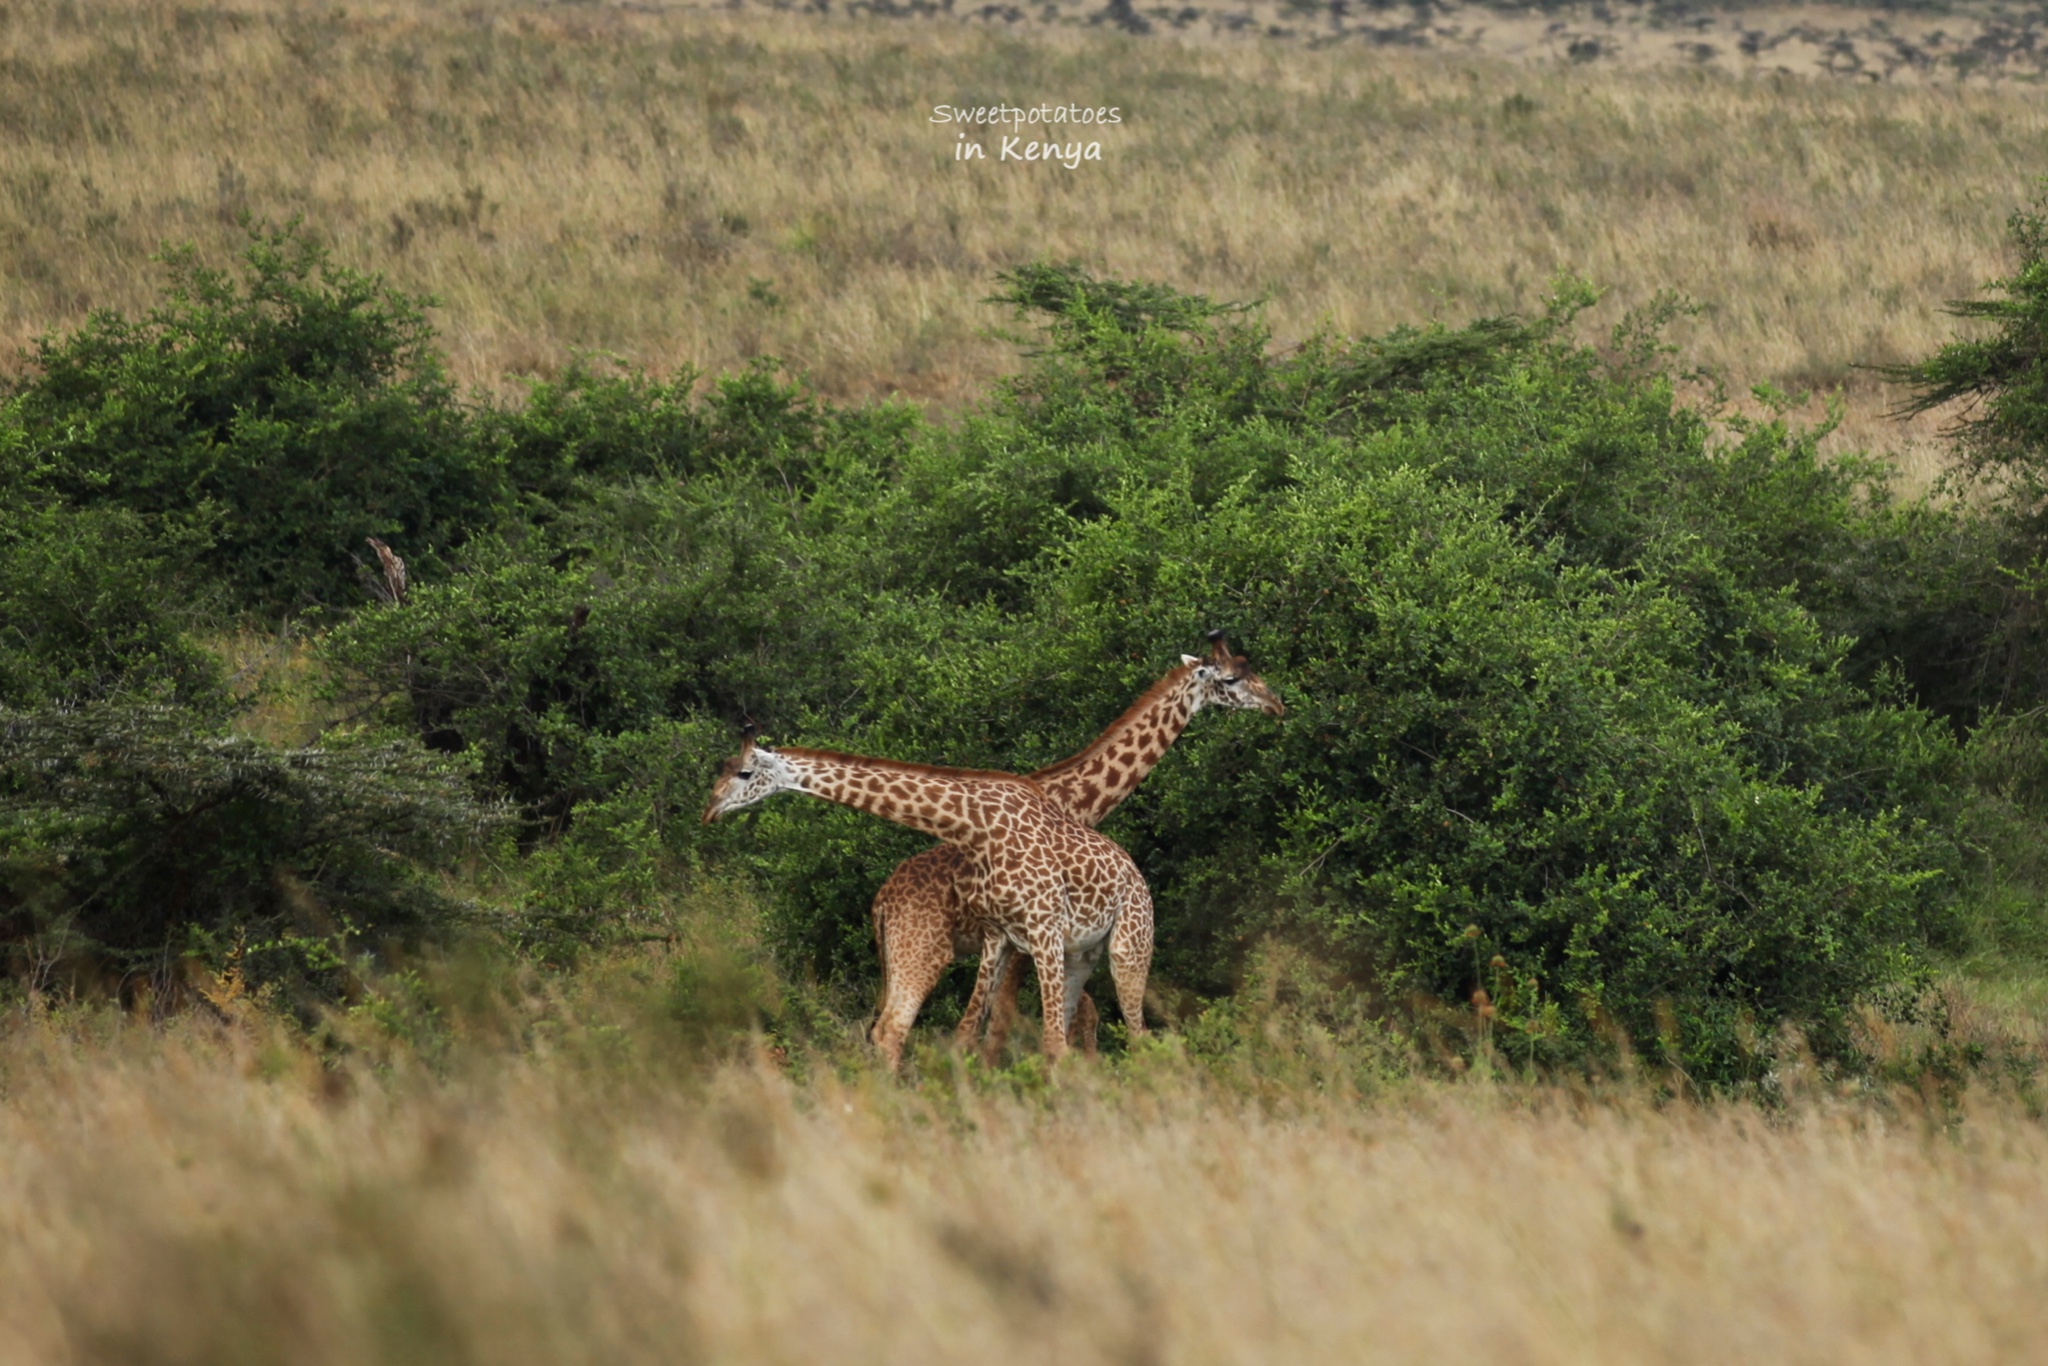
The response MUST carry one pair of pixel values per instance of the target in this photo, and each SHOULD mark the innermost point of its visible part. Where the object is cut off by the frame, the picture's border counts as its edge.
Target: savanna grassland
(698, 189)
(566, 1178)
(1628, 948)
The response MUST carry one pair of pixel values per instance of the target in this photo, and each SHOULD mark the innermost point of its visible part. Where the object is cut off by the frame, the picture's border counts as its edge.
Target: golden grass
(700, 189)
(205, 1195)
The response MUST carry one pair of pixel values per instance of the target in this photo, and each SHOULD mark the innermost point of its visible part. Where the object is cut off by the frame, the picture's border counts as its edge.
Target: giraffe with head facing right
(924, 915)
(1038, 880)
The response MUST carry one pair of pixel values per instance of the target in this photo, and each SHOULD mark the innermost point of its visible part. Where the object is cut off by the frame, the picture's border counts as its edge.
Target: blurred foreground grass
(479, 1162)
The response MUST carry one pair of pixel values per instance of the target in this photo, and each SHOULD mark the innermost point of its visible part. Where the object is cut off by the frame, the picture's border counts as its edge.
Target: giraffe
(923, 913)
(1038, 880)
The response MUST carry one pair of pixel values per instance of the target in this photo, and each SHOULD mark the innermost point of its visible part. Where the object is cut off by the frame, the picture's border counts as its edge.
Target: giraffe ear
(1189, 659)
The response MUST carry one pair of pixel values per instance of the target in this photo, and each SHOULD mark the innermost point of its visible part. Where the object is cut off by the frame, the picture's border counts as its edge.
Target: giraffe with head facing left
(924, 915)
(1039, 881)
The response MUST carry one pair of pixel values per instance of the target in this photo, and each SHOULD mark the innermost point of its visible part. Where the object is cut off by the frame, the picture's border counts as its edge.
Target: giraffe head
(754, 774)
(1225, 680)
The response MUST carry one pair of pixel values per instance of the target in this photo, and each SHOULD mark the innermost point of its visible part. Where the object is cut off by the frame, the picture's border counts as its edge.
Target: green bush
(132, 837)
(1483, 735)
(591, 425)
(1567, 685)
(1626, 724)
(93, 606)
(283, 417)
(656, 601)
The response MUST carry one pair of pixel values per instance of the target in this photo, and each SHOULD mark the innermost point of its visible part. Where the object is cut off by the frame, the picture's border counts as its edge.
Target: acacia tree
(1990, 609)
(2004, 431)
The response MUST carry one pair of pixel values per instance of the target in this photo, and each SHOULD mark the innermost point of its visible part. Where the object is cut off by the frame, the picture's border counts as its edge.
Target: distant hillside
(1903, 42)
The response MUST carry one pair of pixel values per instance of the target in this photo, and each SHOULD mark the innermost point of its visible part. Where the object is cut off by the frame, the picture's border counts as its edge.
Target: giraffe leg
(1003, 1011)
(1080, 967)
(996, 961)
(915, 913)
(994, 996)
(1130, 958)
(909, 972)
(1051, 962)
(1081, 1034)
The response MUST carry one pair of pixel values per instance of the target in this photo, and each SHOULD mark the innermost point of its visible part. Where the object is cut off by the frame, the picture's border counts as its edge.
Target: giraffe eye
(1233, 679)
(744, 773)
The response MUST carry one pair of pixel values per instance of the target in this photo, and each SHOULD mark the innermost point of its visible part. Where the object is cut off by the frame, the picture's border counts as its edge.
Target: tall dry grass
(568, 1176)
(700, 189)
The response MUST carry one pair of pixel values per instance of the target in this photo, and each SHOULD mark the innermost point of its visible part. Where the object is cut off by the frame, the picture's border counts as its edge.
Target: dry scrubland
(699, 189)
(205, 1195)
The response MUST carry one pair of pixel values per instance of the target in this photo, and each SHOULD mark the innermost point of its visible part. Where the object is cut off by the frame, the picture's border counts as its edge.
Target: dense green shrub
(286, 416)
(701, 599)
(135, 833)
(93, 606)
(1566, 682)
(591, 424)
(589, 429)
(132, 838)
(1483, 735)
(1590, 707)
(1977, 641)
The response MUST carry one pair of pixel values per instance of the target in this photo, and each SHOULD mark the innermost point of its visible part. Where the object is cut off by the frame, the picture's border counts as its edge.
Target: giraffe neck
(1095, 782)
(954, 804)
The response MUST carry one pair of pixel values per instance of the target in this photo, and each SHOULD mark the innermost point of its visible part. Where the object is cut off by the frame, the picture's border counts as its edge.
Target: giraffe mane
(900, 766)
(1168, 681)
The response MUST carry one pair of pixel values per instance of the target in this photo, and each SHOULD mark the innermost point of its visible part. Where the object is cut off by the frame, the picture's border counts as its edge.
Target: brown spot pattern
(925, 916)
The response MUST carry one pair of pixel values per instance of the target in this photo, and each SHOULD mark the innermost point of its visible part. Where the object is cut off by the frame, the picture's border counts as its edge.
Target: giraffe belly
(1090, 939)
(1074, 940)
